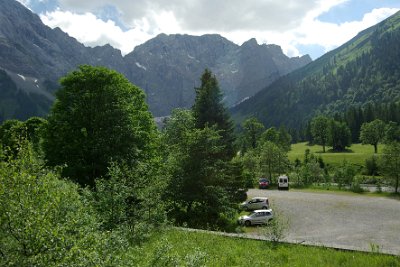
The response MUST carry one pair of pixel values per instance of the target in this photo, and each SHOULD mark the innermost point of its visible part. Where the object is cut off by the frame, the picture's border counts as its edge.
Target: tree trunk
(376, 148)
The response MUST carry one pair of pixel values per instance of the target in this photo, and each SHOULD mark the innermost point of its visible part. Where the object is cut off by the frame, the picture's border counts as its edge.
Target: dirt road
(336, 220)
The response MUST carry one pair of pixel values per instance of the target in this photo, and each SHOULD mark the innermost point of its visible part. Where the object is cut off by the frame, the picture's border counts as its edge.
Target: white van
(283, 182)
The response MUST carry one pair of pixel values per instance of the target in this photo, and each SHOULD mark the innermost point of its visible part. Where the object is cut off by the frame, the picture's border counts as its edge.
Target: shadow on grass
(347, 150)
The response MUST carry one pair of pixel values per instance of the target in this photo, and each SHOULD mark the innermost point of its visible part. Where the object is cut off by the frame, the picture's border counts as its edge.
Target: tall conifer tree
(208, 110)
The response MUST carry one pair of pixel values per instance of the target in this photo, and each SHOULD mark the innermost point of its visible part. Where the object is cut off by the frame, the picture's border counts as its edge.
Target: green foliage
(280, 137)
(320, 131)
(339, 136)
(98, 117)
(392, 132)
(199, 181)
(12, 132)
(372, 133)
(344, 174)
(208, 110)
(129, 201)
(390, 163)
(199, 146)
(276, 229)
(43, 220)
(371, 166)
(251, 132)
(311, 170)
(273, 160)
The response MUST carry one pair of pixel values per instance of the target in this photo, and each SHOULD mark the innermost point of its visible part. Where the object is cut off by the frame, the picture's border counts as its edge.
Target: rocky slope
(33, 57)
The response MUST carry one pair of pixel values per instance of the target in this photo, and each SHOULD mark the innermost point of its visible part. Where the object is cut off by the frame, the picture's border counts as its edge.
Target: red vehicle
(263, 183)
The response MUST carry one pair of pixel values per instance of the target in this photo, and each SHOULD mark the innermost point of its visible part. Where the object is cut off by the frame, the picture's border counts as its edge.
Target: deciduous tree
(320, 131)
(372, 133)
(391, 163)
(98, 117)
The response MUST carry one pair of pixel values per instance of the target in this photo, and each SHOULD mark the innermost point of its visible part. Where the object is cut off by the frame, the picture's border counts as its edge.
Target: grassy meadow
(183, 248)
(356, 154)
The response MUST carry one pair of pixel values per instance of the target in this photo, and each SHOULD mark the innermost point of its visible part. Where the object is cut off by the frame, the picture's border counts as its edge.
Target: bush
(45, 221)
(371, 166)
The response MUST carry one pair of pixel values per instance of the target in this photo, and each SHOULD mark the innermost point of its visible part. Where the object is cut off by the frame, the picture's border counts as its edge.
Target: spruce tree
(208, 110)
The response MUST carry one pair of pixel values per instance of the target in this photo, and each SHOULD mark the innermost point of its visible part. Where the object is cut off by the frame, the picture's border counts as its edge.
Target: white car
(256, 217)
(255, 203)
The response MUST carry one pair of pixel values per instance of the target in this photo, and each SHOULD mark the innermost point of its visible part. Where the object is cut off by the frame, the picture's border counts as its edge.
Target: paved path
(335, 220)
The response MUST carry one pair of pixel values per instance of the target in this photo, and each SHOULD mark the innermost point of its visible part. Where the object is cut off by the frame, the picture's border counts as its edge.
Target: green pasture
(356, 154)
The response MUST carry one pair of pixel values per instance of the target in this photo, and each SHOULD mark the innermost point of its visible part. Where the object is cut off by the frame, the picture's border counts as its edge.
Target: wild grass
(182, 248)
(356, 154)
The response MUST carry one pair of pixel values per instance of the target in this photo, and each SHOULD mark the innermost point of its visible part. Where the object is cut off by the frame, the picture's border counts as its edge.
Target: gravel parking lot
(336, 220)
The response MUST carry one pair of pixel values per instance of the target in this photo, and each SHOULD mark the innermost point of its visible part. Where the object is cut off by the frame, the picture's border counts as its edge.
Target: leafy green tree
(390, 163)
(372, 133)
(129, 201)
(311, 171)
(34, 131)
(98, 117)
(12, 132)
(371, 166)
(270, 135)
(392, 132)
(252, 130)
(279, 137)
(339, 135)
(273, 160)
(208, 110)
(285, 139)
(344, 174)
(43, 219)
(320, 130)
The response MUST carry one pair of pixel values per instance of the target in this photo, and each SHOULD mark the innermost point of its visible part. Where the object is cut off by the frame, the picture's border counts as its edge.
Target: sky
(311, 27)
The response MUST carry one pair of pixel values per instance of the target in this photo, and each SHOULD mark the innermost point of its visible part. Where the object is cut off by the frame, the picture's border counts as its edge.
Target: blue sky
(300, 27)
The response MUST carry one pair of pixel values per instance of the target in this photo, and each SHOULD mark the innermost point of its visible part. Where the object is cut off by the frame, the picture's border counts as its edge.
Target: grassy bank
(181, 248)
(357, 153)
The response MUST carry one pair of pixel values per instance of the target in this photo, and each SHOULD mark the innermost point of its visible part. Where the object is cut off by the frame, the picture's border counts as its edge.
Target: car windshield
(263, 180)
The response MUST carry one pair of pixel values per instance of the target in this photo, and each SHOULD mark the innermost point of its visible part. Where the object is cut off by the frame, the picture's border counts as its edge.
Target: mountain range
(33, 57)
(363, 71)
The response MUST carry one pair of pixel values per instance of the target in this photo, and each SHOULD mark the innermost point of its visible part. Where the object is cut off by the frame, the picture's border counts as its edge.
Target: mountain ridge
(166, 67)
(364, 69)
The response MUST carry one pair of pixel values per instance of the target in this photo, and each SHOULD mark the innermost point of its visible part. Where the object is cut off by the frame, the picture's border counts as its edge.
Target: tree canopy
(208, 110)
(320, 130)
(98, 116)
(372, 133)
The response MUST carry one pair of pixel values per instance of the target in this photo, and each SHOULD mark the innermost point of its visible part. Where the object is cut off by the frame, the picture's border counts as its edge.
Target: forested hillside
(364, 70)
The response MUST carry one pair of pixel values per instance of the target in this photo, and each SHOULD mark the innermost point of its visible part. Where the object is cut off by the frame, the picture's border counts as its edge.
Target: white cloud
(287, 23)
(331, 35)
(92, 31)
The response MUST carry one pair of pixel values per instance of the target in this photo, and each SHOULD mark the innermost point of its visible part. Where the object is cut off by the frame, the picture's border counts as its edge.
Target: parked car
(283, 182)
(256, 217)
(263, 183)
(255, 203)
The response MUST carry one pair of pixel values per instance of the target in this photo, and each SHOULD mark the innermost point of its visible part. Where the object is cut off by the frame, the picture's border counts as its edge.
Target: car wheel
(247, 223)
